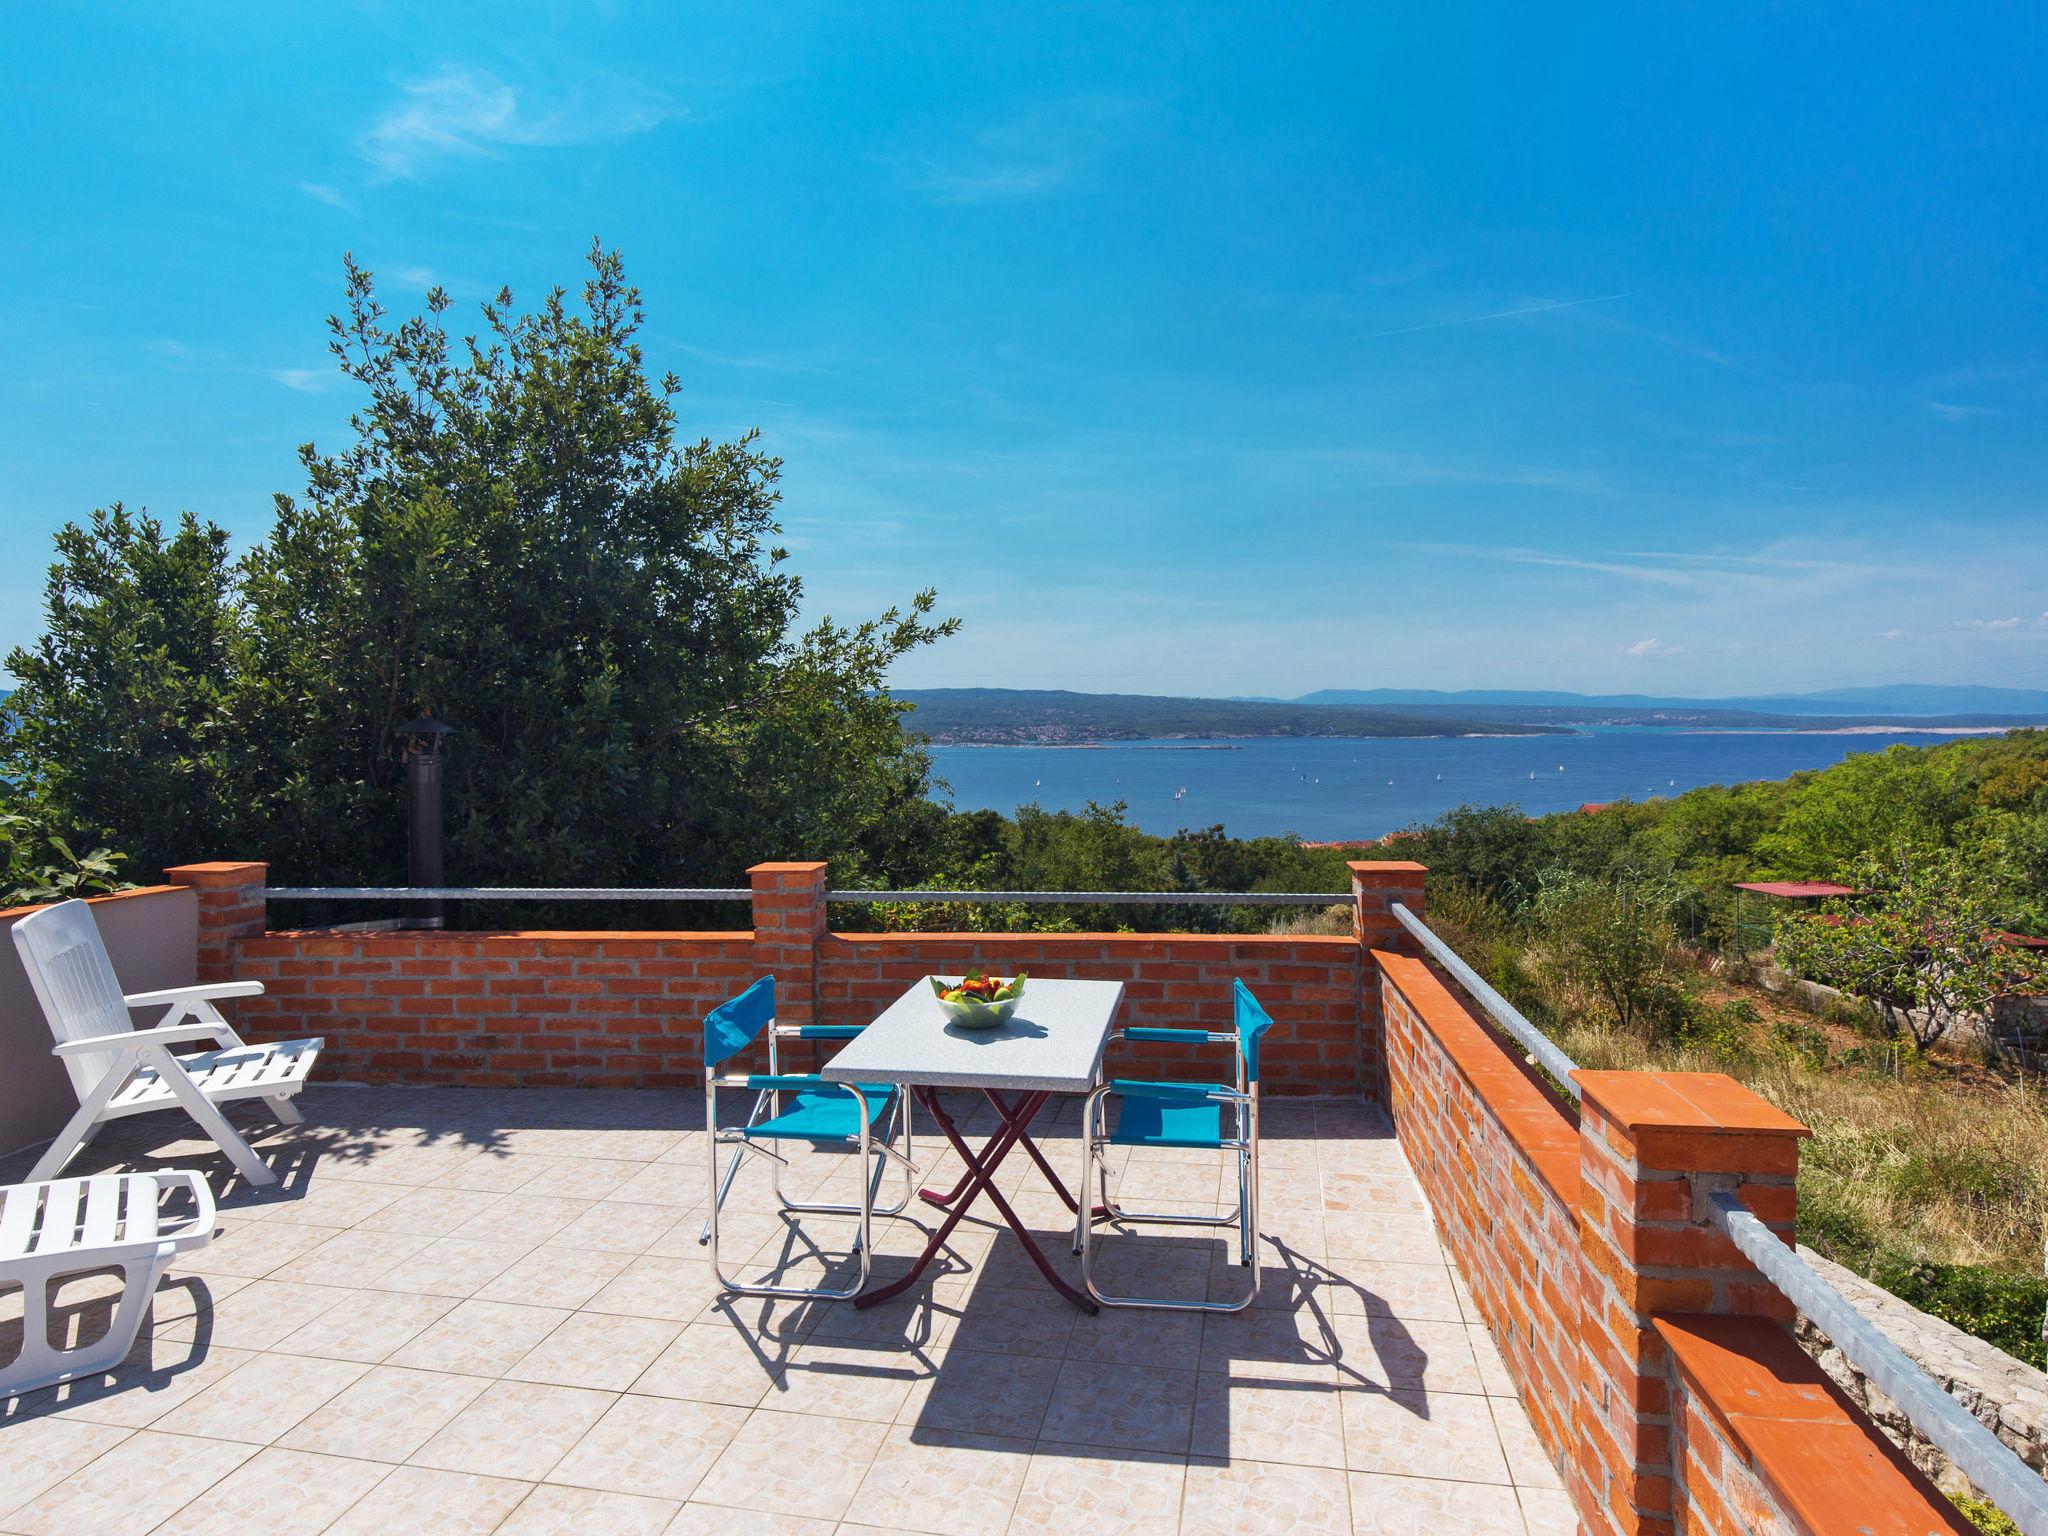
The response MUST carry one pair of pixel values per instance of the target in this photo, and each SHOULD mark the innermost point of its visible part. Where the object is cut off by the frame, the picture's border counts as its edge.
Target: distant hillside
(1014, 716)
(1897, 700)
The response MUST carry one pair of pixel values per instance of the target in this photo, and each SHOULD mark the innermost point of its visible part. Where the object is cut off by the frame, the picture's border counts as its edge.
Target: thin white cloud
(1704, 573)
(1036, 153)
(1498, 314)
(465, 113)
(1643, 650)
(166, 346)
(307, 381)
(2012, 623)
(1895, 634)
(1949, 411)
(333, 197)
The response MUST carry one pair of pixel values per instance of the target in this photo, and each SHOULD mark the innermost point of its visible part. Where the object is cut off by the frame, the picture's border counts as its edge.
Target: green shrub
(1985, 1515)
(1999, 1307)
(1852, 1013)
(1802, 1042)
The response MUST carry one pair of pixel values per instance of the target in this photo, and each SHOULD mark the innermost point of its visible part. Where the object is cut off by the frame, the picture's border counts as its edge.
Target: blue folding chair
(1182, 1115)
(797, 1106)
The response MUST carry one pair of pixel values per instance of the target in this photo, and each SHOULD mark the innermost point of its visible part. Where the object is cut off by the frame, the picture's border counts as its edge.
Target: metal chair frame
(874, 1142)
(1243, 1101)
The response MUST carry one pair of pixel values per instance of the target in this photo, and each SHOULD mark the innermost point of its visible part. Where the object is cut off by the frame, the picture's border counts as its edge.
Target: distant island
(1056, 717)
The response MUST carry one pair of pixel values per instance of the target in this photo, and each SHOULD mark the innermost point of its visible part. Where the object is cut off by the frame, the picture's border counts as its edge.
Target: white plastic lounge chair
(117, 1069)
(74, 1227)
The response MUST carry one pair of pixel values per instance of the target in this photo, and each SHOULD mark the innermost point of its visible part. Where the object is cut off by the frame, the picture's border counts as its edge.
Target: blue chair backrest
(733, 1026)
(1252, 1022)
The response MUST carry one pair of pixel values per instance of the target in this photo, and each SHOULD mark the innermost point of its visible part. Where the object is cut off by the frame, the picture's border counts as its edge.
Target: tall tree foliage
(518, 541)
(123, 728)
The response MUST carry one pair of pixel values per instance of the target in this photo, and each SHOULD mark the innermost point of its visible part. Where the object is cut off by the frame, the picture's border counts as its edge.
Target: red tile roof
(1794, 889)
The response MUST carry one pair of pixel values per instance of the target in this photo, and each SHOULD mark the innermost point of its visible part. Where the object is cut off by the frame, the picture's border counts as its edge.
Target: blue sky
(1184, 349)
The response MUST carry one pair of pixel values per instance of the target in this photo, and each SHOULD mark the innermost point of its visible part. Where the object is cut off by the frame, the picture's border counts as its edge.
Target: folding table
(1052, 1044)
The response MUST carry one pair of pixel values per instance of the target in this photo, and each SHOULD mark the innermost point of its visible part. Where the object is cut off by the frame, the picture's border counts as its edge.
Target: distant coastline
(1054, 718)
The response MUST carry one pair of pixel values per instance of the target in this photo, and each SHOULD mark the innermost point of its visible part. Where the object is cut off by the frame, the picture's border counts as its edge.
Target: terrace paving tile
(280, 1493)
(942, 1483)
(386, 1415)
(39, 1454)
(657, 1447)
(1132, 1407)
(1250, 1498)
(134, 1485)
(593, 1349)
(1415, 1434)
(488, 1310)
(481, 1338)
(549, 1510)
(1119, 1493)
(1418, 1506)
(369, 1333)
(514, 1429)
(421, 1501)
(157, 1375)
(552, 1276)
(794, 1464)
(262, 1400)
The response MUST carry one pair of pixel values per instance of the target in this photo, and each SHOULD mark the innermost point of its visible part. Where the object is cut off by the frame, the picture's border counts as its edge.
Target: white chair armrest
(203, 992)
(175, 1034)
(197, 1232)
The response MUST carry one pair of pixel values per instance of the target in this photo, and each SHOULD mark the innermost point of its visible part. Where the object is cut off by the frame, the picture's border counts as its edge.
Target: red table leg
(980, 1177)
(1013, 1128)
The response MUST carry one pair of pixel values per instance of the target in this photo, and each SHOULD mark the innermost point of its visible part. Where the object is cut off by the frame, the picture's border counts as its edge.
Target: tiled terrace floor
(470, 1311)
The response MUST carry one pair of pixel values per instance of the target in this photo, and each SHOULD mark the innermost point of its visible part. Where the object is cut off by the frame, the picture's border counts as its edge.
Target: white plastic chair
(75, 1227)
(119, 1070)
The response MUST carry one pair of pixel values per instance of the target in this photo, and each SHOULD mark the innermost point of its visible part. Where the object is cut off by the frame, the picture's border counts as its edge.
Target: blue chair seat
(1180, 1121)
(824, 1113)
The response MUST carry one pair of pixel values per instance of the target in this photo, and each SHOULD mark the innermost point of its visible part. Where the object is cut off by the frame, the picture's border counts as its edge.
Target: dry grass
(1308, 922)
(1945, 1164)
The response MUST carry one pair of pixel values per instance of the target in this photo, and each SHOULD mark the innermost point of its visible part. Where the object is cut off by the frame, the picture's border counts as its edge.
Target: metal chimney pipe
(423, 757)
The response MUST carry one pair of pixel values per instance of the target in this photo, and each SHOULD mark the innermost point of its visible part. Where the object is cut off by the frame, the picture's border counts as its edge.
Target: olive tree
(1921, 942)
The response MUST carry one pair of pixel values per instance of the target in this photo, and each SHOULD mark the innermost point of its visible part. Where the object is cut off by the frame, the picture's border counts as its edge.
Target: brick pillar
(231, 909)
(1652, 1147)
(1375, 886)
(789, 919)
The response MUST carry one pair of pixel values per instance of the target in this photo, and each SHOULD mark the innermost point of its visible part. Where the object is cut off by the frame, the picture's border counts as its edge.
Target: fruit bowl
(975, 1001)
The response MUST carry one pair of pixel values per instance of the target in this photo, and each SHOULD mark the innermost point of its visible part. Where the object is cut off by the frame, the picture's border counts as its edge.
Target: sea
(1340, 788)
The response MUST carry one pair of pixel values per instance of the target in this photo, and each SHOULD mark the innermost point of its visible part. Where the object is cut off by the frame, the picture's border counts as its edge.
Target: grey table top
(1052, 1043)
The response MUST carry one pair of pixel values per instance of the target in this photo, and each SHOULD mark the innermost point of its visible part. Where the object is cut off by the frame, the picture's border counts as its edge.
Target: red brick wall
(498, 1009)
(1310, 986)
(1498, 1156)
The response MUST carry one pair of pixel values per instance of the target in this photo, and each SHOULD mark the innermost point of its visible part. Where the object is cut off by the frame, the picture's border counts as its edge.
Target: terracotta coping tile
(1684, 1101)
(93, 901)
(216, 873)
(1407, 869)
(1830, 1467)
(1531, 1114)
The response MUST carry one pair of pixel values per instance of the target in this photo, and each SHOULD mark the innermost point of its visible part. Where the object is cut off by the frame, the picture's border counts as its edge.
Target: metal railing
(1504, 1013)
(506, 893)
(745, 893)
(1110, 898)
(1978, 1454)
